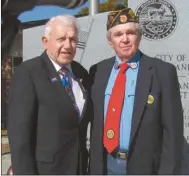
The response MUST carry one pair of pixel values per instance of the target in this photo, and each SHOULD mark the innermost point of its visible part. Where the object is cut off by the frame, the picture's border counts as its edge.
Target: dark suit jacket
(45, 134)
(157, 129)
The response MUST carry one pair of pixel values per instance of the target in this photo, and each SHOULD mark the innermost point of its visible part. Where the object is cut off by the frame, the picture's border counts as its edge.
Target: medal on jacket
(150, 99)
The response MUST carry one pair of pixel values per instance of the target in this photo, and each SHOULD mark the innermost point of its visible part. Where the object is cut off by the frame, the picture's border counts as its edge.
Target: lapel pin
(53, 79)
(150, 99)
(116, 65)
(133, 65)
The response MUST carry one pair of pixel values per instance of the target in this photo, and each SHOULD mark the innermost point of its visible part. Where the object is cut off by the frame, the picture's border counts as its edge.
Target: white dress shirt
(78, 94)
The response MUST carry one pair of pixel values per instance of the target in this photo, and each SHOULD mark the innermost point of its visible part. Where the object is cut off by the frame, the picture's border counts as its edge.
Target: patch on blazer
(150, 99)
(53, 79)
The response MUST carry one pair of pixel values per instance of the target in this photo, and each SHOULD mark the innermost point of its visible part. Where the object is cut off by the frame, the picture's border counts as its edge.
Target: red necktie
(113, 115)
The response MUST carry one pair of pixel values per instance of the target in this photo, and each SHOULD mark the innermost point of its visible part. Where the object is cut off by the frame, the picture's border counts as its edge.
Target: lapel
(79, 78)
(144, 81)
(55, 80)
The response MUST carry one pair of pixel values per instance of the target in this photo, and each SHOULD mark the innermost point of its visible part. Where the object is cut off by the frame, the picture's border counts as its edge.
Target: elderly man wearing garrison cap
(137, 124)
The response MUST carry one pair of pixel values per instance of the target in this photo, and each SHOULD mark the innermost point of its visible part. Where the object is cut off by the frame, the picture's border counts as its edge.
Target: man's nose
(125, 38)
(67, 44)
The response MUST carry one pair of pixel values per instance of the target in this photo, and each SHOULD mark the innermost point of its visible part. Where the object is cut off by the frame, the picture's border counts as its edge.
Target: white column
(94, 7)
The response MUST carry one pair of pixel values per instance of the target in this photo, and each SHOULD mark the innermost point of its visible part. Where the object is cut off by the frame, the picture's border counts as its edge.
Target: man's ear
(44, 41)
(109, 39)
(110, 42)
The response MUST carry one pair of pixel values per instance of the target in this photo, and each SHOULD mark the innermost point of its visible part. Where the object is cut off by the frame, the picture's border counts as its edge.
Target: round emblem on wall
(158, 19)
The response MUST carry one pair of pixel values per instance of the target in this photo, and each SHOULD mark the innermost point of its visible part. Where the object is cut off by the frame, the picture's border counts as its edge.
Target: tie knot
(63, 70)
(123, 67)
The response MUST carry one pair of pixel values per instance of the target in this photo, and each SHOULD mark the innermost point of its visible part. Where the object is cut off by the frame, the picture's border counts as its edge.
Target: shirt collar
(135, 59)
(58, 67)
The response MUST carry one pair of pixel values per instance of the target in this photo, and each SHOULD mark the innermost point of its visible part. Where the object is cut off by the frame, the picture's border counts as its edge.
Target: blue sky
(45, 12)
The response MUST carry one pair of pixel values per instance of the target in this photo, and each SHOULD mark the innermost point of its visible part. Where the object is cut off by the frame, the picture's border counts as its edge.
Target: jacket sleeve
(22, 122)
(172, 122)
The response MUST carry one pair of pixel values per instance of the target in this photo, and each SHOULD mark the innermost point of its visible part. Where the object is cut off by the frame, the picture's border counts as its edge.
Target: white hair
(138, 27)
(68, 20)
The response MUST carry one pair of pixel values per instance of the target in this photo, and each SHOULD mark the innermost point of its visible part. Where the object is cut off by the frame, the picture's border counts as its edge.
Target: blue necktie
(67, 83)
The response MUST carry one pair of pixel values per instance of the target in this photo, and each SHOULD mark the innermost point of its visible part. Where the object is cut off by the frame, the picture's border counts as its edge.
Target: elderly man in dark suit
(48, 98)
(137, 127)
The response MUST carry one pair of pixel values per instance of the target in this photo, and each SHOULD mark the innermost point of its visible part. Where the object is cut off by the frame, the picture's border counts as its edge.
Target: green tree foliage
(105, 6)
